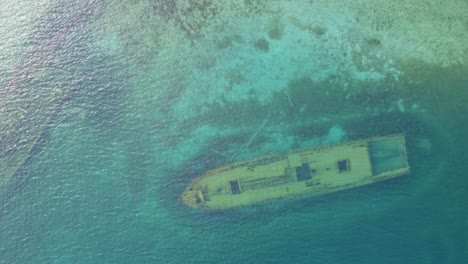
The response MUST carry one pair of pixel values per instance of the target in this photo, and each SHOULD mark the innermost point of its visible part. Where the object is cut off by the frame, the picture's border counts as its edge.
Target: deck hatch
(197, 199)
(343, 166)
(235, 189)
(264, 182)
(303, 172)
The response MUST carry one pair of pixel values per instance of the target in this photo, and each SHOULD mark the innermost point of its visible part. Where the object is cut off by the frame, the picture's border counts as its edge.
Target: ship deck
(300, 173)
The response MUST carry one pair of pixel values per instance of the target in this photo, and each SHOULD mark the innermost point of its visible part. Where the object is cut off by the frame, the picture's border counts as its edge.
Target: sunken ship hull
(300, 173)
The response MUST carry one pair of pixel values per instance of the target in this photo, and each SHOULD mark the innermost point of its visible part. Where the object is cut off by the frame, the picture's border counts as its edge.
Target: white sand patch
(335, 135)
(401, 105)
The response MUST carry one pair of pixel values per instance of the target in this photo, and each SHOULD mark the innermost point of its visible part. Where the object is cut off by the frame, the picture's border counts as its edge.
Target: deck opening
(303, 172)
(387, 155)
(235, 188)
(205, 196)
(343, 166)
(197, 199)
(312, 183)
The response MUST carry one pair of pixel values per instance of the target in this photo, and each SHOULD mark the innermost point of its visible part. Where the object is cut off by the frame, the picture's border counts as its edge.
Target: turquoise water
(137, 123)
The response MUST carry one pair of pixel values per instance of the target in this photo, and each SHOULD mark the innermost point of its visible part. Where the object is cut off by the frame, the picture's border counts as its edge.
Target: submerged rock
(36, 87)
(23, 117)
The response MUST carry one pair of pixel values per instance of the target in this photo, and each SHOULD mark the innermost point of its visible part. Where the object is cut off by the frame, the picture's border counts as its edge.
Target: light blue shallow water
(101, 186)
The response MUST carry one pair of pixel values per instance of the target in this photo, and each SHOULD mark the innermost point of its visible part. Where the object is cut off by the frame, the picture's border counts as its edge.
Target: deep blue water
(101, 186)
